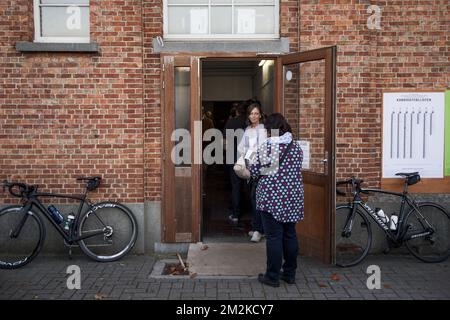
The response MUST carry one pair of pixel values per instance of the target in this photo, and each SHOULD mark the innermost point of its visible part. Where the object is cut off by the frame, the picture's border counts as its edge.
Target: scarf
(284, 139)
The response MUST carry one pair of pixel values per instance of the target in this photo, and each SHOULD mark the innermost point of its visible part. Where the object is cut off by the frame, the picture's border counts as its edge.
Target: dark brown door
(306, 94)
(182, 149)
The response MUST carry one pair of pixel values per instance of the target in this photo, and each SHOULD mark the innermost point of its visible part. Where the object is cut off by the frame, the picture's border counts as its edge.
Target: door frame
(194, 61)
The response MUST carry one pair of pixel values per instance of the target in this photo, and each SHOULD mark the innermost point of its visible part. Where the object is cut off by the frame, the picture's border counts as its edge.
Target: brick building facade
(65, 114)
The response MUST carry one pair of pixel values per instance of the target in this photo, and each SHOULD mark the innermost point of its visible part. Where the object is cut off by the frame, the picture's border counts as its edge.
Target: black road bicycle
(104, 231)
(423, 226)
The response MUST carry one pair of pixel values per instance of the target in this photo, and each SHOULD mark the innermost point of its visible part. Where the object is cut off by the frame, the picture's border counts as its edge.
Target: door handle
(325, 160)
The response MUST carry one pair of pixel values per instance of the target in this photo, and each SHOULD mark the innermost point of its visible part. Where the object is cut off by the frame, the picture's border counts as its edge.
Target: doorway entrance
(225, 84)
(303, 90)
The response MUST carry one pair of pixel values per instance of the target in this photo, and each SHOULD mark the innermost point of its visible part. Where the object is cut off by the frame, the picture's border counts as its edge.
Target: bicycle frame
(399, 233)
(33, 200)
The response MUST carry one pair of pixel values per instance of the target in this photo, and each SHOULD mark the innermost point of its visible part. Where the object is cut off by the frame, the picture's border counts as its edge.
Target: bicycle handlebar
(24, 189)
(356, 186)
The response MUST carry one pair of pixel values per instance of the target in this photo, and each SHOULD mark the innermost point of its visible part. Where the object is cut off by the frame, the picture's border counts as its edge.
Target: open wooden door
(306, 94)
(181, 204)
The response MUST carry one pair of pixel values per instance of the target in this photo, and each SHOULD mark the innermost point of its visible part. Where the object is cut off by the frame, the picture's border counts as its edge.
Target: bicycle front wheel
(432, 247)
(16, 252)
(353, 244)
(118, 228)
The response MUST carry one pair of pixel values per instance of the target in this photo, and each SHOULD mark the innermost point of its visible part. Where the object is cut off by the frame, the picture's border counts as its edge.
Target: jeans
(257, 224)
(281, 243)
(236, 183)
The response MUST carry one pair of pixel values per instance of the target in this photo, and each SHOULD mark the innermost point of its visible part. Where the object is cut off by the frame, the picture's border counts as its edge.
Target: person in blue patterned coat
(279, 198)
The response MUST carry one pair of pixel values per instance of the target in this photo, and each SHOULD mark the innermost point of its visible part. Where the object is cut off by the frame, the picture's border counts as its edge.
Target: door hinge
(163, 67)
(163, 85)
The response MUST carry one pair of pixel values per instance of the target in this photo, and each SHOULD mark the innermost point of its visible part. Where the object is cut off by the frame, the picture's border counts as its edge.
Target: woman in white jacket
(254, 135)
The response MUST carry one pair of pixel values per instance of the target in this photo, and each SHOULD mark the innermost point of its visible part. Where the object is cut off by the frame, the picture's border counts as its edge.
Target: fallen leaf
(192, 275)
(335, 277)
(100, 296)
(323, 285)
(177, 269)
(204, 247)
(387, 286)
(171, 270)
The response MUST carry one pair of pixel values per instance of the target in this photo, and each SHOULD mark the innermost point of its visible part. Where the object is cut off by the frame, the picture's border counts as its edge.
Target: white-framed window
(61, 21)
(221, 19)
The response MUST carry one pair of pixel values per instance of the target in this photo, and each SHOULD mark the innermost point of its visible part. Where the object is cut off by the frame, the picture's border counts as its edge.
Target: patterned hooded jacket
(280, 189)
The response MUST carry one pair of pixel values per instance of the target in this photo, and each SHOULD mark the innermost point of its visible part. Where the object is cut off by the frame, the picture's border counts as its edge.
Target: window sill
(25, 46)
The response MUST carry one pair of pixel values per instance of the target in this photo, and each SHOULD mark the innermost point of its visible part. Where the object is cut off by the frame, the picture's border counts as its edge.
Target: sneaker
(266, 281)
(233, 219)
(250, 233)
(256, 237)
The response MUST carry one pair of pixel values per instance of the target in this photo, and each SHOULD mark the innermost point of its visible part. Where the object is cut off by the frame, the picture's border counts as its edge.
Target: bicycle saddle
(89, 178)
(92, 182)
(411, 178)
(407, 174)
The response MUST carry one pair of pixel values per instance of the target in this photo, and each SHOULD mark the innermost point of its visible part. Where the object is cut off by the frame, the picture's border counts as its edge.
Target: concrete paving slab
(227, 259)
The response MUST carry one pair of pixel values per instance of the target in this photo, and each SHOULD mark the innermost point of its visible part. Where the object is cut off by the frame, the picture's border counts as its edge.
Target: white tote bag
(240, 169)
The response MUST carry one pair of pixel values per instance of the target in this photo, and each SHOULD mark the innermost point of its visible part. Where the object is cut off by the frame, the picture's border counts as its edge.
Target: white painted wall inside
(263, 86)
(226, 88)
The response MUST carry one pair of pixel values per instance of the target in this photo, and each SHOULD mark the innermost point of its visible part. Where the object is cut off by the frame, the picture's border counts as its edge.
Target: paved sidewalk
(402, 277)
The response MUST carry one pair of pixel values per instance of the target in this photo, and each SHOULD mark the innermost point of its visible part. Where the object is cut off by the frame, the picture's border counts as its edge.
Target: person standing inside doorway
(279, 199)
(207, 121)
(254, 135)
(236, 122)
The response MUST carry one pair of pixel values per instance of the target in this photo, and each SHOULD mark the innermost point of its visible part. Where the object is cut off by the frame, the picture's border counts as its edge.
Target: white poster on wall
(304, 144)
(199, 21)
(413, 133)
(246, 21)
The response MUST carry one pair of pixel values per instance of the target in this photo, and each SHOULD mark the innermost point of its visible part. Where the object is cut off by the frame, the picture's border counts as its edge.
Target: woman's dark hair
(241, 109)
(251, 106)
(277, 121)
(233, 112)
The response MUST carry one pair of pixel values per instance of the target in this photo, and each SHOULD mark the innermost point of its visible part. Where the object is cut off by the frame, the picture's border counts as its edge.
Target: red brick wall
(152, 27)
(410, 51)
(289, 22)
(68, 114)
